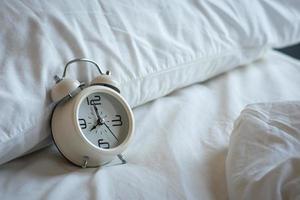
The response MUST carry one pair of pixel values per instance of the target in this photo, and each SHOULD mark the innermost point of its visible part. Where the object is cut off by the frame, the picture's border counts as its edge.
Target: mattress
(179, 148)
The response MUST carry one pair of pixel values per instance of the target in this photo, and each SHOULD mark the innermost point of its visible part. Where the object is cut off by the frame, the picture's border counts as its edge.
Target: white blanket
(179, 148)
(264, 153)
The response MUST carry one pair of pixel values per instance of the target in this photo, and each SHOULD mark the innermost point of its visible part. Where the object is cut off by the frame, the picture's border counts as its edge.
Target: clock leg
(85, 161)
(122, 159)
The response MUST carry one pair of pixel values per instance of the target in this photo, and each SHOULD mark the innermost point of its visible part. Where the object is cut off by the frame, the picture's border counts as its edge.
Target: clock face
(103, 120)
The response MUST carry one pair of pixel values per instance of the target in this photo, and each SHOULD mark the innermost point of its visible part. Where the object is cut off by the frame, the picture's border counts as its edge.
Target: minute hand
(97, 113)
(111, 131)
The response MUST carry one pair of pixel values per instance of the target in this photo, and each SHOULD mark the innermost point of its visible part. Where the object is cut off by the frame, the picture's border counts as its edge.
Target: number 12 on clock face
(94, 101)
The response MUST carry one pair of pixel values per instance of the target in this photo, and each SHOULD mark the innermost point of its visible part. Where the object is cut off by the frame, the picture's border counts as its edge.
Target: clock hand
(99, 119)
(100, 122)
(111, 132)
(94, 127)
(97, 113)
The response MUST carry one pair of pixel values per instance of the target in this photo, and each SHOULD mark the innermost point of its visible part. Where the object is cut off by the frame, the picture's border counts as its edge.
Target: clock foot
(85, 161)
(121, 159)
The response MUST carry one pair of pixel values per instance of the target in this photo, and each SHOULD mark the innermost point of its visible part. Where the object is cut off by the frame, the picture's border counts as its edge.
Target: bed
(195, 73)
(179, 149)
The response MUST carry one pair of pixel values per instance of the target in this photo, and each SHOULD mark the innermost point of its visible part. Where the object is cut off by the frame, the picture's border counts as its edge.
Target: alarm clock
(91, 124)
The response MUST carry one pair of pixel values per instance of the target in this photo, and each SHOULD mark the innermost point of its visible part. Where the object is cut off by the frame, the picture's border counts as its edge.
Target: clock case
(65, 129)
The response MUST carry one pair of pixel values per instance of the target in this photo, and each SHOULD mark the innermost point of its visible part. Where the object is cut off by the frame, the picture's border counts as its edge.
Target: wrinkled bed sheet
(179, 148)
(263, 160)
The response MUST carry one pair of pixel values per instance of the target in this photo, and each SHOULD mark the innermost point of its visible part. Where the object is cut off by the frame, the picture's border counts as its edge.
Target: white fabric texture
(152, 48)
(264, 153)
(179, 148)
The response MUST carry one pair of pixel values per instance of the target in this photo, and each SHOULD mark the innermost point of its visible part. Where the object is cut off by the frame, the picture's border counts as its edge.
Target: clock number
(103, 145)
(117, 121)
(94, 101)
(82, 123)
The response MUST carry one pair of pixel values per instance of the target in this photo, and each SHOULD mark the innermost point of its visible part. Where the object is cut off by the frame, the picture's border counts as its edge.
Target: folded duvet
(264, 154)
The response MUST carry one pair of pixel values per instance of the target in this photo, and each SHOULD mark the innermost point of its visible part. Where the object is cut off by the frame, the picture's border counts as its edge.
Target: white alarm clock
(90, 125)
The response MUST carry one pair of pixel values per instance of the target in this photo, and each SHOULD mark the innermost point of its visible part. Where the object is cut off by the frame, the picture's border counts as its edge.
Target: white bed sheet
(179, 148)
(272, 131)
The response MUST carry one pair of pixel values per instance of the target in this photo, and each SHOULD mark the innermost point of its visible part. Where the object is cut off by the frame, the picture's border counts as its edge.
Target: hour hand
(94, 127)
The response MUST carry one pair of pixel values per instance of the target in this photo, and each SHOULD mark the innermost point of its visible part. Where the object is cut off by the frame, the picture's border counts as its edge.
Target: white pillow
(151, 47)
(263, 159)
